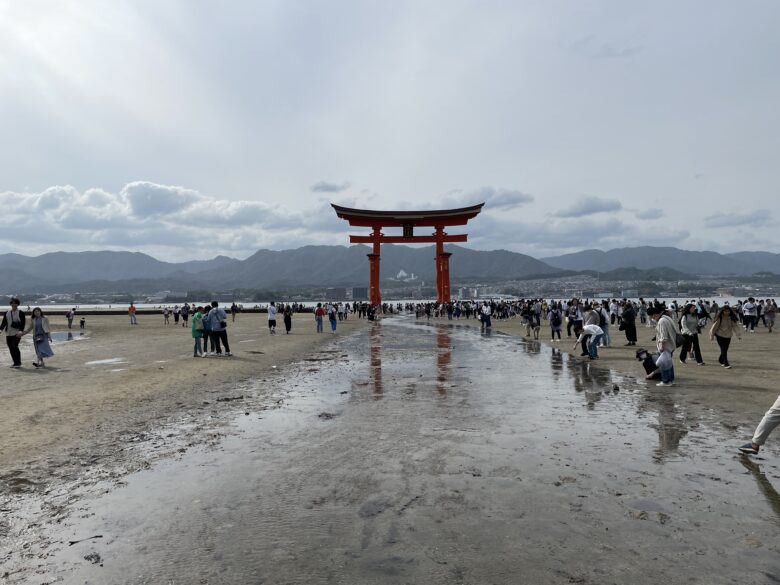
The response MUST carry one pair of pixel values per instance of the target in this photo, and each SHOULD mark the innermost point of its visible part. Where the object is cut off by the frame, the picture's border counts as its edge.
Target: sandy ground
(118, 381)
(743, 393)
(124, 399)
(408, 453)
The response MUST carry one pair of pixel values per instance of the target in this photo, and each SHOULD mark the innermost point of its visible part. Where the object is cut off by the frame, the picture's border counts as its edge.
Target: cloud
(503, 199)
(324, 187)
(149, 199)
(652, 213)
(757, 218)
(589, 205)
(148, 215)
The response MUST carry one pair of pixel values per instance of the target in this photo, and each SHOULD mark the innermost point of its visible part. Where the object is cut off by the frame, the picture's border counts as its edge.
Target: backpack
(555, 318)
(602, 319)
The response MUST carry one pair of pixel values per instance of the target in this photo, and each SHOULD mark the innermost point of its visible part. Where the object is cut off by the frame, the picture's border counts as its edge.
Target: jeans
(197, 349)
(749, 321)
(667, 375)
(133, 320)
(13, 349)
(605, 337)
(593, 346)
(319, 324)
(768, 423)
(723, 343)
(333, 324)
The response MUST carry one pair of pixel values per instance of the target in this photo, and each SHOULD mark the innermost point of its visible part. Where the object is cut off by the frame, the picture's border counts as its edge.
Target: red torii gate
(408, 220)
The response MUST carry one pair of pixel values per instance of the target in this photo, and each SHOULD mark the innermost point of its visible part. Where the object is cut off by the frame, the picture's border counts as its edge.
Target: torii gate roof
(443, 217)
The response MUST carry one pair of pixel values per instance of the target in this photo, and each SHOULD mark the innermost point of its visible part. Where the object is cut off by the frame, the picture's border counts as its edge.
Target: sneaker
(728, 367)
(681, 361)
(665, 384)
(204, 355)
(702, 364)
(228, 354)
(751, 448)
(16, 366)
(36, 365)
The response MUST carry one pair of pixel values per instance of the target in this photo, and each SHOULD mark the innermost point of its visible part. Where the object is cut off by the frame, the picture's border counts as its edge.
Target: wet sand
(412, 453)
(113, 387)
(742, 394)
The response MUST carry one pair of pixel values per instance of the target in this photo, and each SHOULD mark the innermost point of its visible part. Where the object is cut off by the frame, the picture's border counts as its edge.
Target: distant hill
(686, 261)
(309, 265)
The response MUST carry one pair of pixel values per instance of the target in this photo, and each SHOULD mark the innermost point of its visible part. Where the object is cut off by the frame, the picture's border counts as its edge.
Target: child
(82, 323)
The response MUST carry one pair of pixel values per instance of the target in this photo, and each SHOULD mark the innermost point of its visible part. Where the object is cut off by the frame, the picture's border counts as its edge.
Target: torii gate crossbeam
(409, 220)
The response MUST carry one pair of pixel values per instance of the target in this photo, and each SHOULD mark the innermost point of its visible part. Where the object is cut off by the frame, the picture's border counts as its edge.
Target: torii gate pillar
(409, 220)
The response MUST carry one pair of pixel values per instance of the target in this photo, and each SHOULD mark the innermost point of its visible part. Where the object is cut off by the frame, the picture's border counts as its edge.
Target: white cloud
(325, 187)
(757, 218)
(651, 213)
(589, 205)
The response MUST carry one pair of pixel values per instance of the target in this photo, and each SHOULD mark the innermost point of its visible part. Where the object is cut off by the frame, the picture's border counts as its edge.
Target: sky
(189, 129)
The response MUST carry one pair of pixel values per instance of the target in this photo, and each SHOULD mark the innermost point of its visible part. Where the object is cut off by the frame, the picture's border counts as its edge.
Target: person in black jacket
(628, 324)
(13, 324)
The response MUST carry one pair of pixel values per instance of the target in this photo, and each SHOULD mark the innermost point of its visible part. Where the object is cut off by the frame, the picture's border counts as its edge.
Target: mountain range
(348, 266)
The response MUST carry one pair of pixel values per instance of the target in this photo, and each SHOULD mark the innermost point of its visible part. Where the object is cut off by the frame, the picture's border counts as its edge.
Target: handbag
(223, 324)
(679, 339)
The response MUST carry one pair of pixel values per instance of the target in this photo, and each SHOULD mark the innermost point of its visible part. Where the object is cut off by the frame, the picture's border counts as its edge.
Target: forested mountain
(686, 261)
(309, 265)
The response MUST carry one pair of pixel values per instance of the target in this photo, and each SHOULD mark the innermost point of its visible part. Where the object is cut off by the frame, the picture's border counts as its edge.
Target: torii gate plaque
(408, 220)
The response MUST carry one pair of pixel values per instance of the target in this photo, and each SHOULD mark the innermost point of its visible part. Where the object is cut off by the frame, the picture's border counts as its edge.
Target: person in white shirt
(272, 318)
(592, 335)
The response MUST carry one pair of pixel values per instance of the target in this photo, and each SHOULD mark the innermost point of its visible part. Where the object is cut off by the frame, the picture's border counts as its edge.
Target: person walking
(13, 324)
(185, 314)
(689, 327)
(555, 318)
(39, 325)
(131, 313)
(332, 318)
(628, 322)
(485, 313)
(768, 423)
(70, 315)
(167, 315)
(319, 313)
(197, 332)
(218, 321)
(272, 318)
(287, 318)
(723, 329)
(770, 311)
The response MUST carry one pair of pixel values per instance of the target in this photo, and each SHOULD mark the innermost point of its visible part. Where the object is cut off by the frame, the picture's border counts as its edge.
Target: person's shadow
(766, 487)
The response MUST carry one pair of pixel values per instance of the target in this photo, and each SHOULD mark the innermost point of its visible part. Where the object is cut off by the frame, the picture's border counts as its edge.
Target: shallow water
(434, 454)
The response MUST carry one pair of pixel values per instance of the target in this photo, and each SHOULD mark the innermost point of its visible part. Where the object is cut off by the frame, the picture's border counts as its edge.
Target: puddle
(439, 455)
(61, 336)
(109, 361)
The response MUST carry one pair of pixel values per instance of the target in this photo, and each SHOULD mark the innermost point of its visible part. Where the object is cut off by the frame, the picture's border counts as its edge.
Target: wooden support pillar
(374, 294)
(444, 266)
(439, 235)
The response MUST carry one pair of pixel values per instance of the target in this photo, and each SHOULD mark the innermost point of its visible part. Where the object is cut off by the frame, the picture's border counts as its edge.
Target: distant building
(359, 293)
(630, 294)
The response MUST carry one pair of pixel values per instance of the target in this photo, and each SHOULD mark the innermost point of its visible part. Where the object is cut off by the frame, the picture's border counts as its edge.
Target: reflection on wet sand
(443, 359)
(673, 423)
(766, 487)
(375, 351)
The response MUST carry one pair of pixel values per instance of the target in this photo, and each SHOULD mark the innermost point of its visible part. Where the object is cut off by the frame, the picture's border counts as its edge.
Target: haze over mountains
(347, 266)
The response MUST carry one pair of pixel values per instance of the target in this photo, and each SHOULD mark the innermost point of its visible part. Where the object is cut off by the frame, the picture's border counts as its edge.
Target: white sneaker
(228, 354)
(204, 355)
(665, 384)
